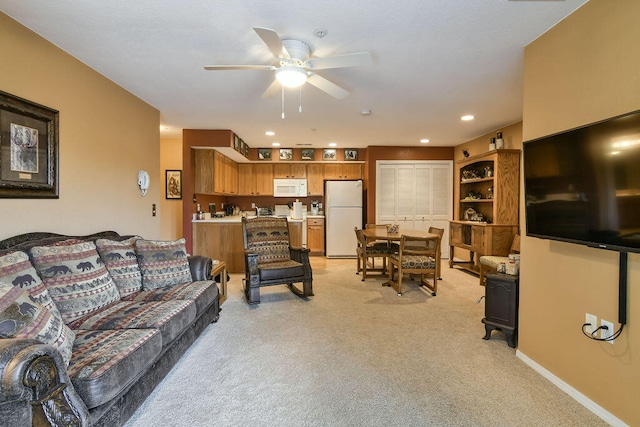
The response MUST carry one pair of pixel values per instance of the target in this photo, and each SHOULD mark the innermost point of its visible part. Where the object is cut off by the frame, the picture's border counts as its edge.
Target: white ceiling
(433, 61)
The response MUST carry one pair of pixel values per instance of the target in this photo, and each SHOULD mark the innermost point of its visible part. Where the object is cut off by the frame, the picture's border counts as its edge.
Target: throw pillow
(76, 278)
(163, 263)
(122, 263)
(23, 317)
(16, 268)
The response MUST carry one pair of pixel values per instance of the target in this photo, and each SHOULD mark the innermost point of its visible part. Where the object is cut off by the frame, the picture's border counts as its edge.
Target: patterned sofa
(90, 325)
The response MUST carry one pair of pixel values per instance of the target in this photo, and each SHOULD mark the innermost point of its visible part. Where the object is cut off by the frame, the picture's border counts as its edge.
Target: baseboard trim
(575, 394)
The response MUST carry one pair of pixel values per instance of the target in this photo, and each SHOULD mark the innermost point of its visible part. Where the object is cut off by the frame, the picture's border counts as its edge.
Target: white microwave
(296, 187)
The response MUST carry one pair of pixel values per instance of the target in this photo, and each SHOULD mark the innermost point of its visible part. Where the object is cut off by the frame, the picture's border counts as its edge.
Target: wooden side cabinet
(501, 306)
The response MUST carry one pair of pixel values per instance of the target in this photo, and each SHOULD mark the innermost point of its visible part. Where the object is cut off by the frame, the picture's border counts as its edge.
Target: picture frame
(286, 154)
(264, 153)
(173, 184)
(28, 149)
(308, 153)
(329, 154)
(236, 142)
(350, 154)
(245, 148)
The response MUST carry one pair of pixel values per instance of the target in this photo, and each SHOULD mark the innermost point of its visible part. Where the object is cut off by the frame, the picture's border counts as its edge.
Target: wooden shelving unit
(488, 207)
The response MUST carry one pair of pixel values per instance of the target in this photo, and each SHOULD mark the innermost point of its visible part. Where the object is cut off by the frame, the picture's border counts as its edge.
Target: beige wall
(106, 136)
(170, 210)
(584, 69)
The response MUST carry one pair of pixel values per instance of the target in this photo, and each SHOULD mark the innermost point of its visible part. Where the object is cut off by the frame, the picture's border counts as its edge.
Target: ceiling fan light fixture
(291, 76)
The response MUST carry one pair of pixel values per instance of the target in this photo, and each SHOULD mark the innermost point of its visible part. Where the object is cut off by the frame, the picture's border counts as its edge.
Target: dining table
(381, 233)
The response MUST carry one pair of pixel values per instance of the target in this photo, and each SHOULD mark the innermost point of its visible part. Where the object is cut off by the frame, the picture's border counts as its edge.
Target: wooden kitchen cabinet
(255, 179)
(289, 170)
(343, 171)
(246, 179)
(315, 179)
(204, 175)
(315, 235)
(264, 179)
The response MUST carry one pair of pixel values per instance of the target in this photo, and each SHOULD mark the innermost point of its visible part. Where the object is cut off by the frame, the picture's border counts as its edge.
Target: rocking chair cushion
(280, 270)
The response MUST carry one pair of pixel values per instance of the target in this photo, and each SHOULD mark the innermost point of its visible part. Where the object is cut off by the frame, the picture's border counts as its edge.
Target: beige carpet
(356, 354)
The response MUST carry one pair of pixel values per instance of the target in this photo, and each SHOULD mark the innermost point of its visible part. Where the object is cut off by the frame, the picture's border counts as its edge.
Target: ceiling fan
(294, 65)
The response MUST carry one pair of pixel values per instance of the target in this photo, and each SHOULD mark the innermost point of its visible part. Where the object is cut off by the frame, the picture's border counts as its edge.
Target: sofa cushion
(163, 263)
(171, 318)
(76, 278)
(104, 363)
(16, 268)
(21, 316)
(203, 293)
(122, 264)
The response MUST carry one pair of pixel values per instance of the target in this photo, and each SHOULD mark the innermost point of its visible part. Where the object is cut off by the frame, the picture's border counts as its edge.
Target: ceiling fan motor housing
(298, 51)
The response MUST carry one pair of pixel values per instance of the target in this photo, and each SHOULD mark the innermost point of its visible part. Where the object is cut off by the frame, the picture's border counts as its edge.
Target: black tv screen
(583, 185)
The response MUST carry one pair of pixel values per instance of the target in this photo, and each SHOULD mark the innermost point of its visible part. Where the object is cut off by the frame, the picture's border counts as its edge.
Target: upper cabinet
(289, 170)
(315, 179)
(215, 173)
(342, 171)
(255, 179)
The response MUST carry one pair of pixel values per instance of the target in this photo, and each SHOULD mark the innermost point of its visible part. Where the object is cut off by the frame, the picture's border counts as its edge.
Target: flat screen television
(583, 185)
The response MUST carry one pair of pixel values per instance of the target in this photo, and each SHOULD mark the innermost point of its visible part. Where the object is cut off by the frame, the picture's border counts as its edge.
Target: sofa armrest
(35, 388)
(200, 267)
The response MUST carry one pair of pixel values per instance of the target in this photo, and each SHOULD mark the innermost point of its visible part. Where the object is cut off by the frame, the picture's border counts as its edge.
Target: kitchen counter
(238, 219)
(222, 238)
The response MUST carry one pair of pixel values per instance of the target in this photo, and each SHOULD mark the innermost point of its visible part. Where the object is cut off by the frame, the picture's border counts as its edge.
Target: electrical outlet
(592, 320)
(253, 205)
(606, 333)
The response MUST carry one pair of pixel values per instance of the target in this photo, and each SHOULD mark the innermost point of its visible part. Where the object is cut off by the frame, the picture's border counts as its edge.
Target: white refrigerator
(343, 212)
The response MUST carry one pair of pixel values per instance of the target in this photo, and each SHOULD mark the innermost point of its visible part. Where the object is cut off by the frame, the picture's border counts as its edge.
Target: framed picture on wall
(308, 153)
(173, 184)
(29, 149)
(350, 154)
(286, 154)
(264, 153)
(329, 154)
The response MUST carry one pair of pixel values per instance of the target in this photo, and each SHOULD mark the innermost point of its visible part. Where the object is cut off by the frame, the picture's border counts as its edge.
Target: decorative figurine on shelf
(469, 213)
(488, 171)
(469, 174)
(490, 193)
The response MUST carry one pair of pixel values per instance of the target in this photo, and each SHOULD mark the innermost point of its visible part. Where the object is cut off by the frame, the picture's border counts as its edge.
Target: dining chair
(417, 255)
(367, 253)
(440, 233)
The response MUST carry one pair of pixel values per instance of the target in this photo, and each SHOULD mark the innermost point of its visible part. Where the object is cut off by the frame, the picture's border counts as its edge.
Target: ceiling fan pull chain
(283, 102)
(300, 107)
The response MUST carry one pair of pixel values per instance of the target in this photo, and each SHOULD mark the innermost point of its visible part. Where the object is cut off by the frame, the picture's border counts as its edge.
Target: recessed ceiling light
(332, 144)
(424, 141)
(275, 144)
(467, 117)
(269, 133)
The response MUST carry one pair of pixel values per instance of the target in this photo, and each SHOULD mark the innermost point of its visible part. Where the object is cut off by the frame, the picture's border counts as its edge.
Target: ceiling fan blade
(240, 67)
(273, 42)
(327, 86)
(273, 89)
(339, 61)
